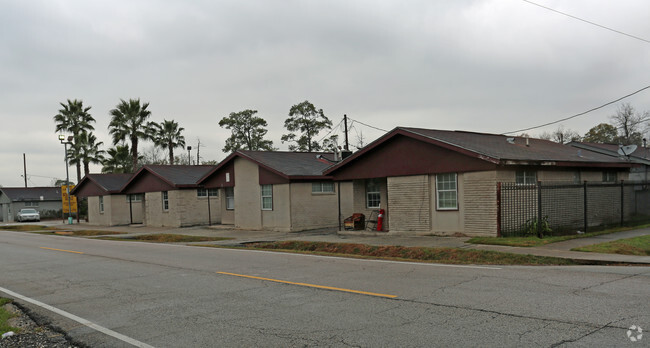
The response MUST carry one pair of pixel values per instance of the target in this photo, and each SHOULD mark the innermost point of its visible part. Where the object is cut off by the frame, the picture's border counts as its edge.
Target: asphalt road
(172, 296)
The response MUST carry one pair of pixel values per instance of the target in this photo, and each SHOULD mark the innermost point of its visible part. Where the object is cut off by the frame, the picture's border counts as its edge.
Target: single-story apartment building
(106, 205)
(170, 195)
(47, 200)
(445, 182)
(640, 155)
(278, 190)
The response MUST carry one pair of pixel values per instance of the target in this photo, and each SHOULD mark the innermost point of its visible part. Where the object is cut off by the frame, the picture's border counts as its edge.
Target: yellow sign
(65, 189)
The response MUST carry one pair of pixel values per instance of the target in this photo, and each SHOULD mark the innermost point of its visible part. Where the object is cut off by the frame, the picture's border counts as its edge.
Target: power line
(331, 130)
(367, 125)
(580, 114)
(589, 22)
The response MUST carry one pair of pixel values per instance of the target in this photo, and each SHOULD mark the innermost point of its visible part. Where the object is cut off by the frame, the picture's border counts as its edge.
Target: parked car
(29, 215)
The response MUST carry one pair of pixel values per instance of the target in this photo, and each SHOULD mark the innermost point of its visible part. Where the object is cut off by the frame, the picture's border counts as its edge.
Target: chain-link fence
(565, 208)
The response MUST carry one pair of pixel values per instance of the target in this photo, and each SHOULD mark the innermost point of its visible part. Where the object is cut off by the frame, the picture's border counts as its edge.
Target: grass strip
(438, 255)
(533, 241)
(81, 233)
(639, 246)
(167, 238)
(27, 228)
(5, 316)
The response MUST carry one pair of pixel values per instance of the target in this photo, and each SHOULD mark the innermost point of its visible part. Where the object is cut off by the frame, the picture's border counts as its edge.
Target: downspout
(338, 193)
(131, 209)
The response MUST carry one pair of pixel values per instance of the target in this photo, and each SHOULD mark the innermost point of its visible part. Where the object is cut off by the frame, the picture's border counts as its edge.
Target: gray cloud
(489, 66)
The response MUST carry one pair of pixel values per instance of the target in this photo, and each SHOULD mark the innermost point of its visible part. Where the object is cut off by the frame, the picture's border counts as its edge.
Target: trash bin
(69, 220)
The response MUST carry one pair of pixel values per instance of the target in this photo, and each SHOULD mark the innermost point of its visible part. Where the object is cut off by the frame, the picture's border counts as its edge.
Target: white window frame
(101, 204)
(230, 198)
(266, 193)
(134, 197)
(322, 187)
(165, 200)
(442, 189)
(377, 186)
(526, 177)
(203, 192)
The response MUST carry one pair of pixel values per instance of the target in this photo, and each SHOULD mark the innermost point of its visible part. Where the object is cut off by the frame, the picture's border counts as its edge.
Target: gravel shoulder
(34, 331)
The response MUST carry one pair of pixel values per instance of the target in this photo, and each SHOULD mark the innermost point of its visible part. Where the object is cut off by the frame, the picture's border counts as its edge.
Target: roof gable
(273, 164)
(165, 177)
(491, 148)
(402, 156)
(100, 184)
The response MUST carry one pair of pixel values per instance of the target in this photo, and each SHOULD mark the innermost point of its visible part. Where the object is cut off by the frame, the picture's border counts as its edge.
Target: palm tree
(90, 152)
(168, 136)
(73, 117)
(129, 121)
(118, 160)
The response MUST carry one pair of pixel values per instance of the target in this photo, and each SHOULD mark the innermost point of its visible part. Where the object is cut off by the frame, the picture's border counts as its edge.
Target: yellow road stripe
(67, 251)
(310, 285)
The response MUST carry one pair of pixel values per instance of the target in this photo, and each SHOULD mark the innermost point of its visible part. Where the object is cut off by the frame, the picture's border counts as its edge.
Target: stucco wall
(347, 199)
(279, 218)
(359, 197)
(447, 222)
(312, 210)
(248, 210)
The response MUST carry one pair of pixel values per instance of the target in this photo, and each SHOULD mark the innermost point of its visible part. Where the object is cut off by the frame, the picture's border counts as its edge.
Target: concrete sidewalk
(239, 237)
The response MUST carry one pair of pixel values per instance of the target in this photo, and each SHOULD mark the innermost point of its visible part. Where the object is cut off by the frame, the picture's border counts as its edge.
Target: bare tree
(561, 135)
(630, 124)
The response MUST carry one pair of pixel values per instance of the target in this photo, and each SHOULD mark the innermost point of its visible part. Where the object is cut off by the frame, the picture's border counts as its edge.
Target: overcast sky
(484, 66)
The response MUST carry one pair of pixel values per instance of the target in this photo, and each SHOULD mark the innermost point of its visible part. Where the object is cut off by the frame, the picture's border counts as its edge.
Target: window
(609, 176)
(373, 196)
(230, 198)
(31, 204)
(101, 204)
(526, 177)
(165, 200)
(213, 192)
(576, 177)
(322, 187)
(447, 191)
(267, 197)
(134, 197)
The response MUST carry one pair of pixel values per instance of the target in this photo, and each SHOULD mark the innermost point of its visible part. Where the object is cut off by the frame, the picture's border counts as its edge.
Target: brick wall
(410, 203)
(312, 210)
(479, 206)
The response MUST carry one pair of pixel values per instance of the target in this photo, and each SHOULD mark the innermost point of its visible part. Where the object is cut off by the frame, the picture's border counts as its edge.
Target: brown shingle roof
(503, 148)
(179, 175)
(21, 194)
(292, 164)
(112, 183)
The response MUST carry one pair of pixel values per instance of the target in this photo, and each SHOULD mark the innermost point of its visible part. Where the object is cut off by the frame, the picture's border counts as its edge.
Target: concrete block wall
(312, 210)
(479, 203)
(410, 200)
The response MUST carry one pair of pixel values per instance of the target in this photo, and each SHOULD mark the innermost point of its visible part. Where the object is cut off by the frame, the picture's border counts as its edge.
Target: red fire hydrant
(380, 220)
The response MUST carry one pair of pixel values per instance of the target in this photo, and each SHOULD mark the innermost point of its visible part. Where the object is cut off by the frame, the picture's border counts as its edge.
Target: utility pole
(25, 169)
(345, 123)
